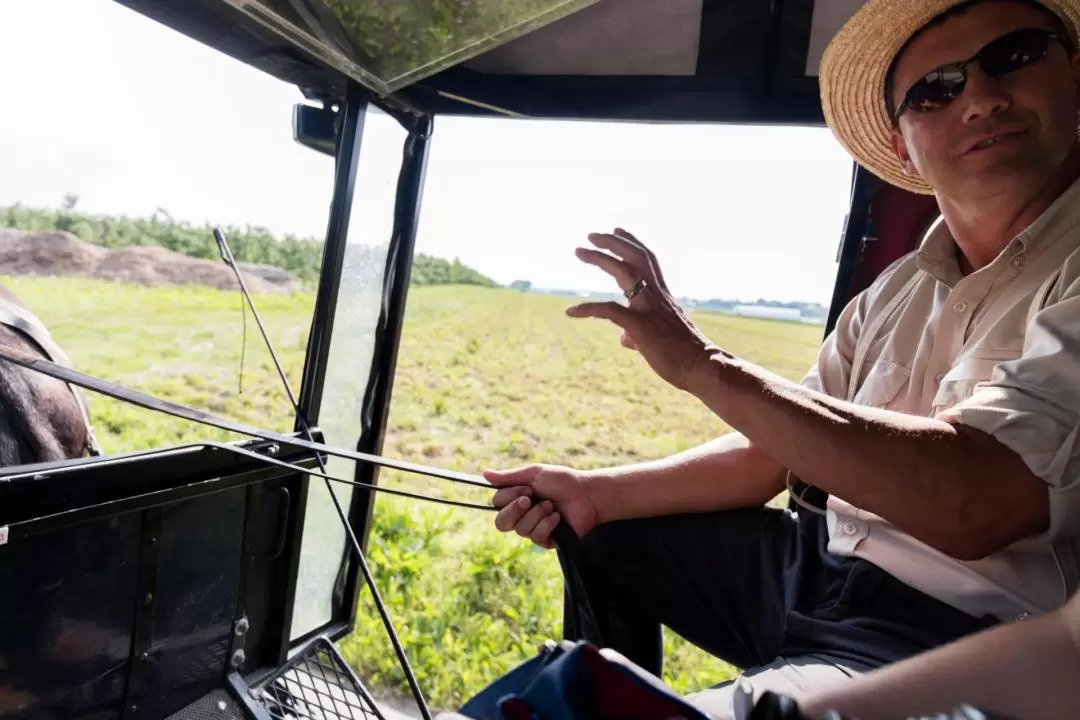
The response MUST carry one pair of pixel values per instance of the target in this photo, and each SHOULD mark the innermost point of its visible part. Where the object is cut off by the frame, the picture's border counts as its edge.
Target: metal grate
(216, 705)
(316, 685)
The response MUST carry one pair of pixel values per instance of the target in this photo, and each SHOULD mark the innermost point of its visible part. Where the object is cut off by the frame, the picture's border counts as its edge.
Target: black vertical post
(377, 395)
(855, 233)
(318, 349)
(337, 232)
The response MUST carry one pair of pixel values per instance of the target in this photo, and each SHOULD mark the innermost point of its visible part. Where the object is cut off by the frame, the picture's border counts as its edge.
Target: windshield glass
(390, 44)
(352, 343)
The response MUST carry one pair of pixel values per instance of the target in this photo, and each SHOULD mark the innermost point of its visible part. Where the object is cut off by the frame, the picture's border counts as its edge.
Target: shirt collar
(937, 254)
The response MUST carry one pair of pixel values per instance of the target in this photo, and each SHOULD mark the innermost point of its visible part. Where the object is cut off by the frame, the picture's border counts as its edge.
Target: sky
(131, 116)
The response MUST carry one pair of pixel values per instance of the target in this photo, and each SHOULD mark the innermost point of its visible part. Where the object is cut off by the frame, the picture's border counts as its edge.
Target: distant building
(772, 313)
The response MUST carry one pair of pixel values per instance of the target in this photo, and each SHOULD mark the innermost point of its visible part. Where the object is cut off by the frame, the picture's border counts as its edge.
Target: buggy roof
(744, 61)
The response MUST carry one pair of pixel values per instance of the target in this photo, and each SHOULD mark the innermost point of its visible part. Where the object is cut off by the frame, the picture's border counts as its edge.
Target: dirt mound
(47, 253)
(57, 253)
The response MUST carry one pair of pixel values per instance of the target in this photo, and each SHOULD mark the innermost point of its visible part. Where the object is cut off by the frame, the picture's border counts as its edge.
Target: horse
(42, 419)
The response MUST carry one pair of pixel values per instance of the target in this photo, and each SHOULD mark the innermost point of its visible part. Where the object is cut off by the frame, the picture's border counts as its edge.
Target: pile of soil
(58, 253)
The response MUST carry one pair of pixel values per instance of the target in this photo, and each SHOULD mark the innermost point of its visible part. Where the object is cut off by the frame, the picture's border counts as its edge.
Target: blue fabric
(576, 681)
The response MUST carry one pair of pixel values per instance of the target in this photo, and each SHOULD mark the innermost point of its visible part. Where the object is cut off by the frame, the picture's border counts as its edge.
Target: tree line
(252, 243)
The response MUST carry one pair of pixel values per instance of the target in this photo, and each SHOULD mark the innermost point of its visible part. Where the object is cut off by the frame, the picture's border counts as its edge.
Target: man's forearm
(953, 488)
(1025, 670)
(726, 473)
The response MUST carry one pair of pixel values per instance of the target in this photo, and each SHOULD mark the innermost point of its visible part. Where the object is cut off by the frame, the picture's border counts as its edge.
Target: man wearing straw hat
(942, 417)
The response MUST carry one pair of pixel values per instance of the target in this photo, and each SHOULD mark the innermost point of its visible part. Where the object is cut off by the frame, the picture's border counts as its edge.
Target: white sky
(131, 116)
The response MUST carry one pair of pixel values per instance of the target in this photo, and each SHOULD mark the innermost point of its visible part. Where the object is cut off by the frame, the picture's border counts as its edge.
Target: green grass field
(486, 378)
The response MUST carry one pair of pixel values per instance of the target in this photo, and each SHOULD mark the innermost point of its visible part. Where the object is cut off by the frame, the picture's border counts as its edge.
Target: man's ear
(900, 148)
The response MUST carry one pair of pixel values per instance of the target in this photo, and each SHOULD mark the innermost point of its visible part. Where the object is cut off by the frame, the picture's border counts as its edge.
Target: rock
(58, 253)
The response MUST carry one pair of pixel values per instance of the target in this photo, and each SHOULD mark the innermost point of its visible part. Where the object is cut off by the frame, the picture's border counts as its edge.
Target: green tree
(252, 244)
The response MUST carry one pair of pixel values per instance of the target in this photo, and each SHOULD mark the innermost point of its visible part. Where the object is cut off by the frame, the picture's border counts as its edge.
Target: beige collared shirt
(997, 350)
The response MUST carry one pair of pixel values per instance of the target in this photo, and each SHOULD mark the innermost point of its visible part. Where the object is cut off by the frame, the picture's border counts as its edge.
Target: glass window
(351, 347)
(390, 44)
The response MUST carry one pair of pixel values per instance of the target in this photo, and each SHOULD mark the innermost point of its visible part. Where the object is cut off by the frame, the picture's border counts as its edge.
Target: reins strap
(144, 400)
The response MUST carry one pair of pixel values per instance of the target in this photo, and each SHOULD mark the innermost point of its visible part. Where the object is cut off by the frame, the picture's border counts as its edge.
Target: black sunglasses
(1006, 54)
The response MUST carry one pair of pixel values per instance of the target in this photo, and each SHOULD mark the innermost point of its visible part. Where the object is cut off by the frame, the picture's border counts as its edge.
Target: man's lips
(984, 142)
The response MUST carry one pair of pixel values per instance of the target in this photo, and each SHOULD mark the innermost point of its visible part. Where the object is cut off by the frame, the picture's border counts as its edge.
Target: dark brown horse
(41, 419)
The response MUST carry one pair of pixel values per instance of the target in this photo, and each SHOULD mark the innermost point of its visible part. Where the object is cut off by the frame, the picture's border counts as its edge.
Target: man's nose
(983, 95)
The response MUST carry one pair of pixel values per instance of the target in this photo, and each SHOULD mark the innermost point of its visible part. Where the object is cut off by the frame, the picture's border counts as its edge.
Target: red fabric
(618, 695)
(516, 709)
(899, 220)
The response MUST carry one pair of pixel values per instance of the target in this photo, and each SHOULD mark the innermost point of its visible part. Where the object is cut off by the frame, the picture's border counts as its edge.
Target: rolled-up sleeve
(1032, 406)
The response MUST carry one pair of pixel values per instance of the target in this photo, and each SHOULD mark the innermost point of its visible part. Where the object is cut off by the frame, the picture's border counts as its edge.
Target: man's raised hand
(652, 321)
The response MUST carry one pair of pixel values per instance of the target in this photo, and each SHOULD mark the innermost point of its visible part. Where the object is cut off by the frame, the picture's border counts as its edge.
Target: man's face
(1032, 111)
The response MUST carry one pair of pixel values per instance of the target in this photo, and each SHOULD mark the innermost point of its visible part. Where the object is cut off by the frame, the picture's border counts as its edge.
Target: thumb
(556, 487)
(513, 476)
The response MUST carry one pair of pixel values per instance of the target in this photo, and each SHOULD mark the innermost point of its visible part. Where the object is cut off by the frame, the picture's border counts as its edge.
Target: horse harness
(19, 319)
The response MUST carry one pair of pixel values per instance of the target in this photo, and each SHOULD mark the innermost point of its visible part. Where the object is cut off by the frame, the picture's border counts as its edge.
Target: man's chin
(1007, 176)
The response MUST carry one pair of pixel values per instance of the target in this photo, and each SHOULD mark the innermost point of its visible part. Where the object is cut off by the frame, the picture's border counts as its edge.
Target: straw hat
(852, 77)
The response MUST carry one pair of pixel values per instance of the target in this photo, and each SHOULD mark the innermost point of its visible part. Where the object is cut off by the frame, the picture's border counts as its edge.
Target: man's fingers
(541, 534)
(509, 516)
(624, 275)
(616, 313)
(505, 496)
(649, 254)
(624, 249)
(528, 522)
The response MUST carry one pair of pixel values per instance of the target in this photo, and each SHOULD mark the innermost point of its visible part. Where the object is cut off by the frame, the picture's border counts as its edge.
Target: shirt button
(960, 307)
(848, 528)
(1019, 261)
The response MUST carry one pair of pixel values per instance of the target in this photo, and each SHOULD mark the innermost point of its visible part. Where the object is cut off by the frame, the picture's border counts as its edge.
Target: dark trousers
(748, 587)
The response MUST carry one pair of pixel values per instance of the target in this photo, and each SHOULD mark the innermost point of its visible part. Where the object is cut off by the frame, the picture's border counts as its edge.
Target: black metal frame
(60, 494)
(52, 498)
(645, 99)
(855, 233)
(337, 233)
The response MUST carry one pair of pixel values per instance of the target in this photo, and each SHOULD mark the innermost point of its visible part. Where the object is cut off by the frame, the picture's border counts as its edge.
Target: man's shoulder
(1064, 274)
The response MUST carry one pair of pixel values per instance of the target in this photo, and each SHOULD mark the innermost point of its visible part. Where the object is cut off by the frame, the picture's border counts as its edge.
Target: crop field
(486, 378)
